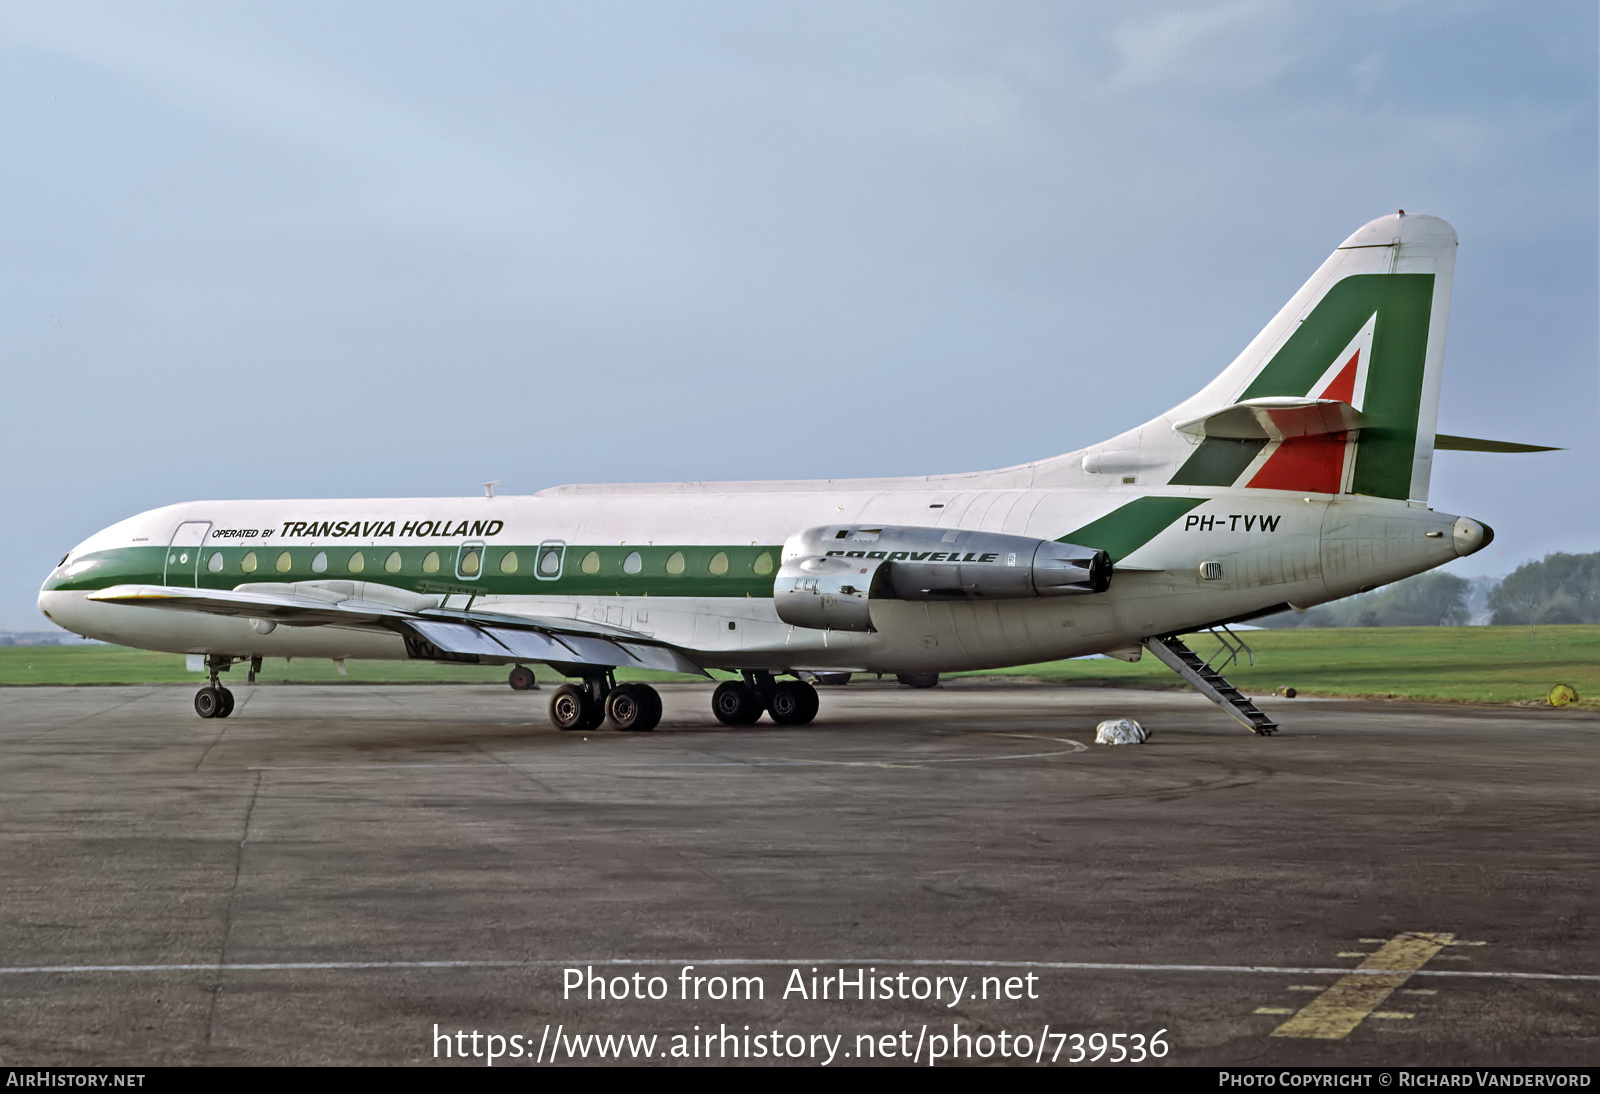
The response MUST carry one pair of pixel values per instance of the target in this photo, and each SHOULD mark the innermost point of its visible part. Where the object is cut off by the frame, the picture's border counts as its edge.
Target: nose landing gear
(214, 700)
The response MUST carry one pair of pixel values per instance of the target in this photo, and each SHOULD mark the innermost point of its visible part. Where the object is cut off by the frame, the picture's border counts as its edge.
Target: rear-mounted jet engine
(830, 574)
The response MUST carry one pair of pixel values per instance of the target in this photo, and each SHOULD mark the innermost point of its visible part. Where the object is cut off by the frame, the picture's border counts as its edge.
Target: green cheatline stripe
(739, 570)
(1123, 531)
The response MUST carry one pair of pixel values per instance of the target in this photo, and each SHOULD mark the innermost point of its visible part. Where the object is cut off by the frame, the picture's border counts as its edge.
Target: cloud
(1238, 43)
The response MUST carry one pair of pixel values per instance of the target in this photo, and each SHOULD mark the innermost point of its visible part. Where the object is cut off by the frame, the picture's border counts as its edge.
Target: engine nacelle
(829, 574)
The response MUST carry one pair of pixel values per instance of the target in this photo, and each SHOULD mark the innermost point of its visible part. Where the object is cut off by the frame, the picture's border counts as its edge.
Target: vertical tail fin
(1349, 371)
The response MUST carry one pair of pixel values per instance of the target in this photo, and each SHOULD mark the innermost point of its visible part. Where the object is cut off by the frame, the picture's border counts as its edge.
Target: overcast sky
(351, 249)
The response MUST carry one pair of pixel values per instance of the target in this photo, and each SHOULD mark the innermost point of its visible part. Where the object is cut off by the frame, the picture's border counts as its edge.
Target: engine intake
(829, 574)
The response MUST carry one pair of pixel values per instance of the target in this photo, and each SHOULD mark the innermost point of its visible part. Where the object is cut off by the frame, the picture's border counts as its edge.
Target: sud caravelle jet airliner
(1297, 476)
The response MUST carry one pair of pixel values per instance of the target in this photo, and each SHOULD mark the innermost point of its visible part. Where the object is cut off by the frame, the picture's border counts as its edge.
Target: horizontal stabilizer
(1474, 444)
(1275, 418)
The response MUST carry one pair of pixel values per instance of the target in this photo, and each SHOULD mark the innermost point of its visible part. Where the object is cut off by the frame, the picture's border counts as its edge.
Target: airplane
(1297, 476)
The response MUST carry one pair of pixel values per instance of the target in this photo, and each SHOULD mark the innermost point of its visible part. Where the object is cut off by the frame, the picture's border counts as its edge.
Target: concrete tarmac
(343, 874)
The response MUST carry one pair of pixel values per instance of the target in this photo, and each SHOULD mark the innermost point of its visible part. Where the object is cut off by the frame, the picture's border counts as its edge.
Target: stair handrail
(1230, 643)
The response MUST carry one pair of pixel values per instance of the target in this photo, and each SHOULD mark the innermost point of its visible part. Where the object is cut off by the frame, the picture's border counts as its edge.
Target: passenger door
(183, 553)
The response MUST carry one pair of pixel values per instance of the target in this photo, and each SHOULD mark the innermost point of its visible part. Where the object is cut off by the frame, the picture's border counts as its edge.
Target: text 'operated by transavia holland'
(723, 1012)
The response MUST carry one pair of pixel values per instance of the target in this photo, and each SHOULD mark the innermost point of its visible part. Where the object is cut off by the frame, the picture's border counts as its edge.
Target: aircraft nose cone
(1471, 536)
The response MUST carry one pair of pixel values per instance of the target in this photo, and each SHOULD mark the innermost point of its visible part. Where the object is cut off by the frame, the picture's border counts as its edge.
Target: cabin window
(719, 563)
(508, 562)
(357, 563)
(633, 563)
(550, 560)
(214, 563)
(430, 563)
(763, 563)
(284, 562)
(471, 561)
(319, 562)
(675, 563)
(248, 562)
(591, 562)
(392, 563)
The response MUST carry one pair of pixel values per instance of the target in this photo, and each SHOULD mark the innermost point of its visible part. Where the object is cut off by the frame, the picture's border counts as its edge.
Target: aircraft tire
(918, 679)
(572, 708)
(227, 703)
(634, 707)
(521, 678)
(793, 703)
(735, 703)
(207, 702)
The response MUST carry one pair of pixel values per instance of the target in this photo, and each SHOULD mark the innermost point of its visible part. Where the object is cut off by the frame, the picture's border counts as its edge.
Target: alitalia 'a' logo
(1365, 343)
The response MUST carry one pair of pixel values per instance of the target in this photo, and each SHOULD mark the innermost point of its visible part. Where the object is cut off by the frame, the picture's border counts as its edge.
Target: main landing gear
(522, 679)
(742, 702)
(629, 707)
(214, 700)
(637, 707)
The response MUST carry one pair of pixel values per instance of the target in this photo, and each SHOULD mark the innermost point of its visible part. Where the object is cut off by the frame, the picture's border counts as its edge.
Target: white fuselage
(1274, 548)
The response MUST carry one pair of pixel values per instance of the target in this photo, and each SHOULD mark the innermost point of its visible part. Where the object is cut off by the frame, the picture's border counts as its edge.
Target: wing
(431, 632)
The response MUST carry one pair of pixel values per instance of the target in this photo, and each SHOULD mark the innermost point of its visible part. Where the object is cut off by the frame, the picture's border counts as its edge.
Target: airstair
(1170, 651)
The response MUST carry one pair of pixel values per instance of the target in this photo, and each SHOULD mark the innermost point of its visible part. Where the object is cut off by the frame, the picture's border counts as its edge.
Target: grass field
(100, 664)
(1462, 664)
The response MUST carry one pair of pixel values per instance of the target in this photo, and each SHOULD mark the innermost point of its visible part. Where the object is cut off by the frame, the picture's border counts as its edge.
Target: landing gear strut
(742, 702)
(214, 700)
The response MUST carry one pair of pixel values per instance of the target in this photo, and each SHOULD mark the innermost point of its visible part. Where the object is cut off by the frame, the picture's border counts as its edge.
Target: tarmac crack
(94, 716)
(218, 738)
(227, 918)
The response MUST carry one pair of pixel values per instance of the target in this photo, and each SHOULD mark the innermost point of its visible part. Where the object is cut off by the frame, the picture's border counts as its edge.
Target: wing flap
(664, 658)
(531, 645)
(457, 638)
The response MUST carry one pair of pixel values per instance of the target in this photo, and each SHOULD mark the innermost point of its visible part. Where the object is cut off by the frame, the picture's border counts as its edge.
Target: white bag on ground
(1120, 731)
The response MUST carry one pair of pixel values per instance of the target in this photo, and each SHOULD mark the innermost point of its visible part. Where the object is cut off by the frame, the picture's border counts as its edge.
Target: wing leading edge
(430, 632)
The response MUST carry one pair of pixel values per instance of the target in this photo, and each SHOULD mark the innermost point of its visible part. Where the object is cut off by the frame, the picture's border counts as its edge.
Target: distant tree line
(1427, 600)
(1560, 588)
